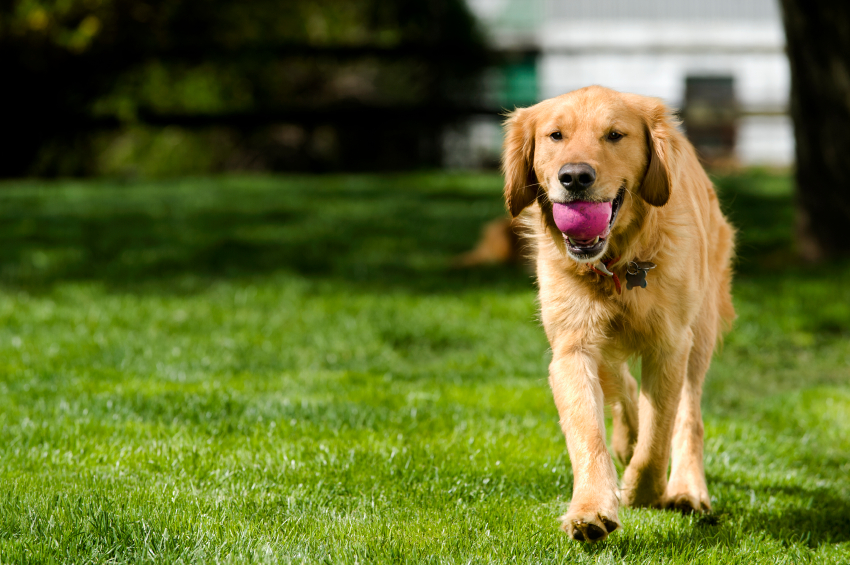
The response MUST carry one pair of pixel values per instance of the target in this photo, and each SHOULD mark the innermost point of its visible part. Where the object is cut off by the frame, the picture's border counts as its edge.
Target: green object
(284, 369)
(521, 82)
(518, 86)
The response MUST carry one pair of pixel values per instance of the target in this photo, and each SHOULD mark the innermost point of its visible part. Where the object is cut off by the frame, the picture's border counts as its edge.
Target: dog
(633, 259)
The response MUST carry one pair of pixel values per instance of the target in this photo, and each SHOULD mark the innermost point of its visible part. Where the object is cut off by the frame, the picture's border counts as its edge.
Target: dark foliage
(310, 85)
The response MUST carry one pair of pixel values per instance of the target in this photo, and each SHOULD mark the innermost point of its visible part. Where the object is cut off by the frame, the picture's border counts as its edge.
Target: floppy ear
(518, 161)
(655, 188)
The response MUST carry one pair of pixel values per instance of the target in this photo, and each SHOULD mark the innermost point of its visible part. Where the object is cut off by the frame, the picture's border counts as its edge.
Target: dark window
(710, 116)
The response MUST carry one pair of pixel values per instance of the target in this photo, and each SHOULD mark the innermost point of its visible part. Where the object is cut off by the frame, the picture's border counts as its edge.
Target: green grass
(284, 369)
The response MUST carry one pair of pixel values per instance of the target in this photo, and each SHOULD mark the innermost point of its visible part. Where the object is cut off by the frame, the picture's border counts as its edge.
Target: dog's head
(583, 155)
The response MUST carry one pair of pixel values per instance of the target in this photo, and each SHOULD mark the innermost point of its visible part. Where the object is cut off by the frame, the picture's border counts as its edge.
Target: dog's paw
(687, 502)
(589, 526)
(687, 492)
(688, 505)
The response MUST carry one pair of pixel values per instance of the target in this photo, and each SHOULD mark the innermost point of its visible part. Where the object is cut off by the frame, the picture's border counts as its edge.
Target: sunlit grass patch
(286, 369)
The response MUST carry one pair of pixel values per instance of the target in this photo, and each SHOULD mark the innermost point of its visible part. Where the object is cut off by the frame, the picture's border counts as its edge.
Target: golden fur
(670, 216)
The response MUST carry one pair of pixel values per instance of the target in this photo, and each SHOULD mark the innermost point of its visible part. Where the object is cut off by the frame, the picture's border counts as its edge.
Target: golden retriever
(614, 194)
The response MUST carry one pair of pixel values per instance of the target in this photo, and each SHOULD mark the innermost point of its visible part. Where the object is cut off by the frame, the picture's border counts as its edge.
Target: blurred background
(722, 64)
(146, 89)
(134, 87)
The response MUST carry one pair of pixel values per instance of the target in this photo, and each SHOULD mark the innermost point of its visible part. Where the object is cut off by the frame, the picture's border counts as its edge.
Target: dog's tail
(724, 300)
(501, 242)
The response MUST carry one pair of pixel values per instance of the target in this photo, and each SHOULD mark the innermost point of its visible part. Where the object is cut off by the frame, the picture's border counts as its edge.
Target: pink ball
(582, 220)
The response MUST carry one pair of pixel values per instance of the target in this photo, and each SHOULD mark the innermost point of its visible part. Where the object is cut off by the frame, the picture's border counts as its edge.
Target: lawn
(285, 369)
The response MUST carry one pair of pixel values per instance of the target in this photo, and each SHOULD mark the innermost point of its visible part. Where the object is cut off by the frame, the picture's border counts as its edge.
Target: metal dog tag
(636, 273)
(603, 268)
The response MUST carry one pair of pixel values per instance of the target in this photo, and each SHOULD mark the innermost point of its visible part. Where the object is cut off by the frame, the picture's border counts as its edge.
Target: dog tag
(638, 279)
(636, 274)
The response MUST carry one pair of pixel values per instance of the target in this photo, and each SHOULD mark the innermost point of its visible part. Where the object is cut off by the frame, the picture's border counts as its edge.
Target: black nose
(577, 176)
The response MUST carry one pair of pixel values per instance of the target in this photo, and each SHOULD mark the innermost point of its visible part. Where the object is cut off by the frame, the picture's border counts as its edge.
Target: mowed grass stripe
(286, 370)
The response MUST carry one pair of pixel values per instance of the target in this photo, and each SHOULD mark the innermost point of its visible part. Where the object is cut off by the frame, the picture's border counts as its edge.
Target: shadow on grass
(372, 232)
(376, 236)
(761, 207)
(817, 518)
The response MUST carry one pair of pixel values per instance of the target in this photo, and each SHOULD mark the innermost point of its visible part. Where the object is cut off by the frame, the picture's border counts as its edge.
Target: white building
(673, 49)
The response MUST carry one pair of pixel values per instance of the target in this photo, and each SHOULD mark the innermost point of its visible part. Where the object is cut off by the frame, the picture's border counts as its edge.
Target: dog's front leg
(662, 373)
(574, 377)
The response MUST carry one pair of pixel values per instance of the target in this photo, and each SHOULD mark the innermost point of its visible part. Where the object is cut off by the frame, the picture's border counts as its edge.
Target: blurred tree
(818, 39)
(327, 83)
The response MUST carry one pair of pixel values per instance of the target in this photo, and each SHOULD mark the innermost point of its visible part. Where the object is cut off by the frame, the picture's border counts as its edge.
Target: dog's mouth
(587, 225)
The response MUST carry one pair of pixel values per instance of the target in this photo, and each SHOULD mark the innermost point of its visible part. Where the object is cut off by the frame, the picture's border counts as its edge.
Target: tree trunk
(818, 43)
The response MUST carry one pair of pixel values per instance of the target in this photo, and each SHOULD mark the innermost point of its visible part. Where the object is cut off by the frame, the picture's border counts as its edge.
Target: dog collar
(635, 273)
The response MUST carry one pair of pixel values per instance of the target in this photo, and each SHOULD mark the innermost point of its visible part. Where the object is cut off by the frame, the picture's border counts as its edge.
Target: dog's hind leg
(624, 397)
(686, 489)
(662, 374)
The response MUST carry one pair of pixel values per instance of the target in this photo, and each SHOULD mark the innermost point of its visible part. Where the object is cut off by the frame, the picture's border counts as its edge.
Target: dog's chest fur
(574, 300)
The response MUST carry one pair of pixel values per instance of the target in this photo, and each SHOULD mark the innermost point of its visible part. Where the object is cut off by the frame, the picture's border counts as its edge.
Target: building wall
(659, 10)
(655, 59)
(650, 46)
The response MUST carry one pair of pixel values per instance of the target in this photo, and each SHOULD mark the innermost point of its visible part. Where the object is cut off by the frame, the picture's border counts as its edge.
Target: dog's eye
(615, 136)
(556, 136)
